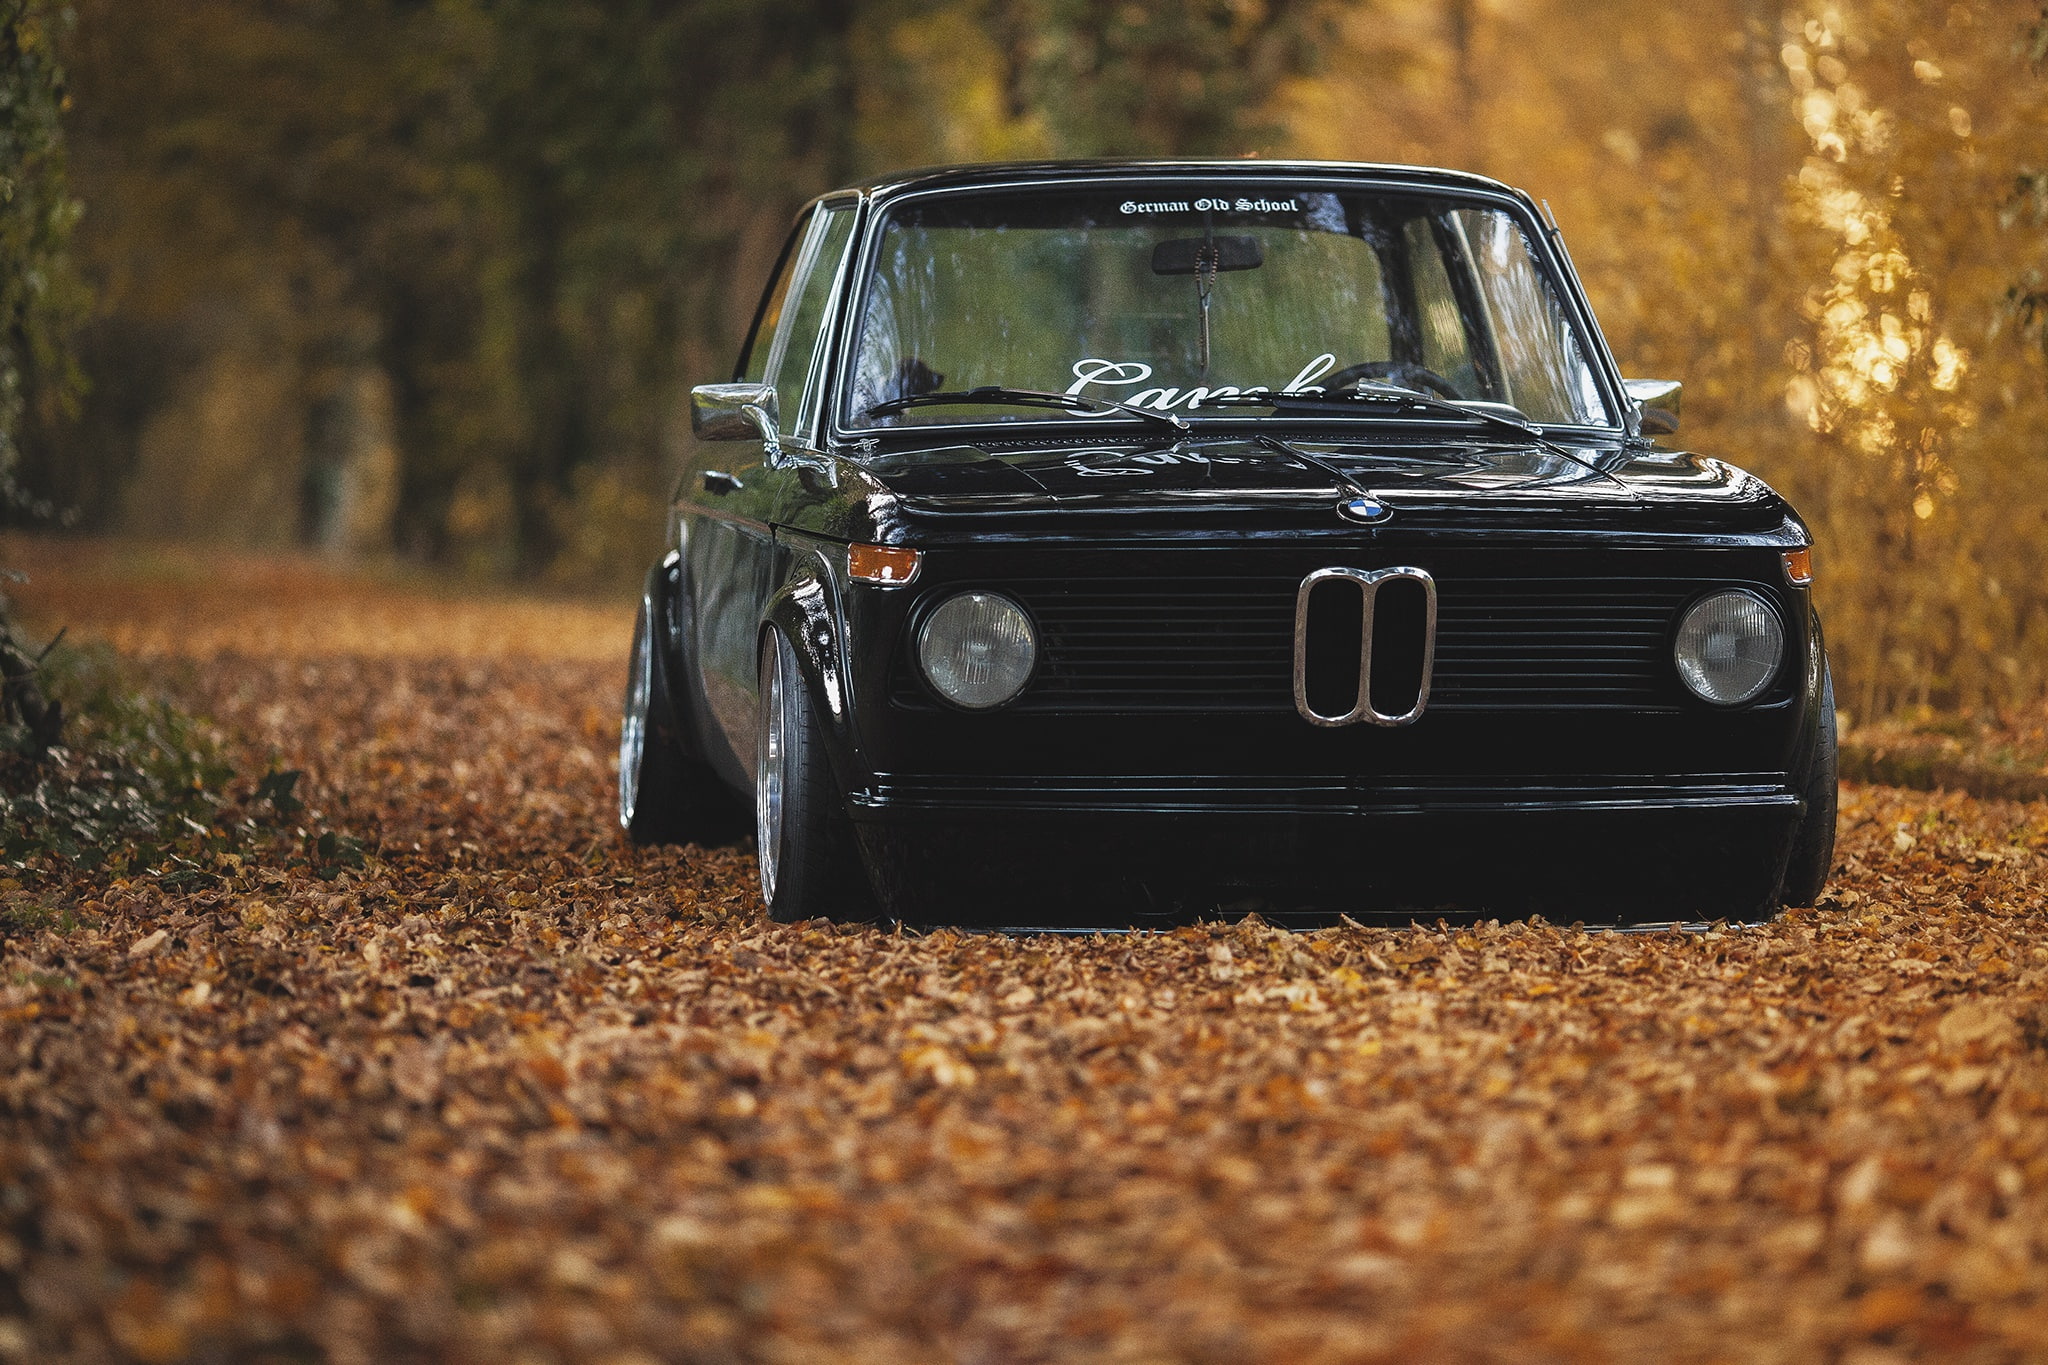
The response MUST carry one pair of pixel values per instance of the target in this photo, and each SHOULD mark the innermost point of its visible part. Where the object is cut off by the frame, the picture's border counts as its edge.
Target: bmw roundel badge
(1365, 508)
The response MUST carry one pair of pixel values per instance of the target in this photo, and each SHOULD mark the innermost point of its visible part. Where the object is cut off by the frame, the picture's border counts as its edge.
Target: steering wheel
(1406, 373)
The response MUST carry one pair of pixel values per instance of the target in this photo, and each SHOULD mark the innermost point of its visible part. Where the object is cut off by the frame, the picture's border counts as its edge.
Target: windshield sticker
(1222, 205)
(1117, 374)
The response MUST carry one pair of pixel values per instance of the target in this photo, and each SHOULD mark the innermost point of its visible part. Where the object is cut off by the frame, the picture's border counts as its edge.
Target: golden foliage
(1826, 220)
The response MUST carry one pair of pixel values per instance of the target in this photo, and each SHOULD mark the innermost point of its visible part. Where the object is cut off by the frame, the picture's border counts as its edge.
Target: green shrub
(134, 775)
(140, 788)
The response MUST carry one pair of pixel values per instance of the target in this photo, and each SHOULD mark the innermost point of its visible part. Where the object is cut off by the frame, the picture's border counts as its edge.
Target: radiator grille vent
(1226, 644)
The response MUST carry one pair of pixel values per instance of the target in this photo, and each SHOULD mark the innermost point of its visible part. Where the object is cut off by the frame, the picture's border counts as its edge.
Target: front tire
(809, 866)
(1813, 847)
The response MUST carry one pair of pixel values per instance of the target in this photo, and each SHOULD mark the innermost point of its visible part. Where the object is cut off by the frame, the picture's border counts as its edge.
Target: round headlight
(977, 649)
(1729, 647)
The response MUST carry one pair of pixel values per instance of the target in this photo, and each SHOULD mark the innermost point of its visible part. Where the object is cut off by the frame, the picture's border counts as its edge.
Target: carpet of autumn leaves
(514, 1091)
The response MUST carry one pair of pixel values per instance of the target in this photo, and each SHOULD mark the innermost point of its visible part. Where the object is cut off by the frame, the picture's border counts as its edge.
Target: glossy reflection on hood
(1247, 466)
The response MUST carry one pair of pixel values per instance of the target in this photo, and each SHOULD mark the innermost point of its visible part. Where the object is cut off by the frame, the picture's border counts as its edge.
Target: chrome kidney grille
(1521, 633)
(1340, 635)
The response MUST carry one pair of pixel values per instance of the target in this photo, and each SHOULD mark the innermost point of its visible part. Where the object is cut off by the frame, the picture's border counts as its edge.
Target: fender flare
(805, 610)
(680, 689)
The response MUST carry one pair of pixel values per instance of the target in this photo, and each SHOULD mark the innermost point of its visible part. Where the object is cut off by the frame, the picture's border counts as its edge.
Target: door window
(1542, 366)
(753, 367)
(803, 312)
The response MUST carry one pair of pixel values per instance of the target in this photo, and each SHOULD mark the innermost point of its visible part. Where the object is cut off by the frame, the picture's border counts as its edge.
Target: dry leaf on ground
(517, 1091)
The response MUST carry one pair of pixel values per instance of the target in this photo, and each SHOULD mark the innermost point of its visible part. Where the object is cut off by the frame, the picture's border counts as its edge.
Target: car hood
(1420, 480)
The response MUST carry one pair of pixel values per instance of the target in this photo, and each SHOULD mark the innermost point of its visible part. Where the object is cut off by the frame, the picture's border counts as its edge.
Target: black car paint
(761, 536)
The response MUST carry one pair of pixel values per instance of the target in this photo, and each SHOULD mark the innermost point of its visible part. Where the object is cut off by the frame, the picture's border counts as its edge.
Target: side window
(753, 366)
(1542, 364)
(806, 313)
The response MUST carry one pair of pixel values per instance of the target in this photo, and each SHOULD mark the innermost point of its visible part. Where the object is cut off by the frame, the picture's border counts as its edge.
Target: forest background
(432, 280)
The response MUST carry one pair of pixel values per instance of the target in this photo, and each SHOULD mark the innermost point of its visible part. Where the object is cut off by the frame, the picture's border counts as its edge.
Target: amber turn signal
(887, 564)
(1799, 566)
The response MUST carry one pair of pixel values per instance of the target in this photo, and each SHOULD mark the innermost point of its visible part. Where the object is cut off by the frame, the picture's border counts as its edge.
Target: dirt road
(515, 1092)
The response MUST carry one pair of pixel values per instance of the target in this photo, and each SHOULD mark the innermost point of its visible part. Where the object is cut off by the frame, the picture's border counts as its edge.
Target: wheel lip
(771, 754)
(633, 724)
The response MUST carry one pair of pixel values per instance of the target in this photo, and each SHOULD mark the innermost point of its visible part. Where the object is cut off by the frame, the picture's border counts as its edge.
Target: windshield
(1163, 297)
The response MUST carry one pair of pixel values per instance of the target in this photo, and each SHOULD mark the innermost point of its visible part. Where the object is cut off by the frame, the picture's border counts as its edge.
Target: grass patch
(139, 788)
(134, 774)
(23, 918)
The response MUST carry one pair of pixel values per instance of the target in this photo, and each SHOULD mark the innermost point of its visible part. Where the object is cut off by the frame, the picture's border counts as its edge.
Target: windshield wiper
(1274, 443)
(1408, 398)
(1024, 398)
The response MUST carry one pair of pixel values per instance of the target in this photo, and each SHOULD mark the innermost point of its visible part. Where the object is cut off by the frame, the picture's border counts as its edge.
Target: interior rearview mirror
(1657, 401)
(733, 412)
(1197, 255)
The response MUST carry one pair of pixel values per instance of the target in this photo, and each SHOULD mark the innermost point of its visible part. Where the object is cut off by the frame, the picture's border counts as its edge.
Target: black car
(1085, 541)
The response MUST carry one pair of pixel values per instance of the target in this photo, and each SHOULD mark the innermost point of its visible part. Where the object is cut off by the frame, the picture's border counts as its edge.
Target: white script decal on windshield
(1223, 205)
(1119, 373)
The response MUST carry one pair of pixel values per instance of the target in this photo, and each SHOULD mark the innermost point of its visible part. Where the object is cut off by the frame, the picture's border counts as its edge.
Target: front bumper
(1047, 850)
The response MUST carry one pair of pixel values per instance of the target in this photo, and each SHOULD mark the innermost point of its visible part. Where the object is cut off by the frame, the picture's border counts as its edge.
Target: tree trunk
(1767, 114)
(21, 695)
(1464, 40)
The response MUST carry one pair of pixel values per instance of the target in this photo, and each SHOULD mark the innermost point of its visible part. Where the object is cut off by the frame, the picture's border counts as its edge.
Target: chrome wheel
(770, 752)
(633, 727)
(805, 843)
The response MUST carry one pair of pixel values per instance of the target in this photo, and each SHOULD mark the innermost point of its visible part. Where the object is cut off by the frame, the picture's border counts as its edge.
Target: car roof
(1011, 172)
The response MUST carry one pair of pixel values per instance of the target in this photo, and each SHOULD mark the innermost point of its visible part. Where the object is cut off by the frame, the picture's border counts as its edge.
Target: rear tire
(665, 797)
(810, 868)
(1813, 847)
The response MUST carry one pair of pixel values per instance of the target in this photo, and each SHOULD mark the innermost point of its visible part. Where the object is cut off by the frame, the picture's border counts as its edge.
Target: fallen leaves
(172, 602)
(512, 1090)
(1977, 1026)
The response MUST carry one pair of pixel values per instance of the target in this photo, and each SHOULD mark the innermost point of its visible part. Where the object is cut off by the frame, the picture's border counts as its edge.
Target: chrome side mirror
(733, 412)
(1657, 401)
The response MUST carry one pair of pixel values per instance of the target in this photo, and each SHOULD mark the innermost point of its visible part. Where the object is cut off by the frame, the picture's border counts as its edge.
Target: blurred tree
(1829, 222)
(521, 227)
(257, 211)
(1920, 396)
(40, 297)
(1117, 79)
(524, 213)
(441, 273)
(652, 154)
(40, 300)
(2026, 208)
(982, 79)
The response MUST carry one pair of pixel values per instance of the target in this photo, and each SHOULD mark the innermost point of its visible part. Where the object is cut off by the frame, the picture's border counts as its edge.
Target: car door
(728, 532)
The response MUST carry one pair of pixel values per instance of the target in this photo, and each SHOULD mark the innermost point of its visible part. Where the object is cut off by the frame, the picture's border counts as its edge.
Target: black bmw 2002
(1088, 540)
